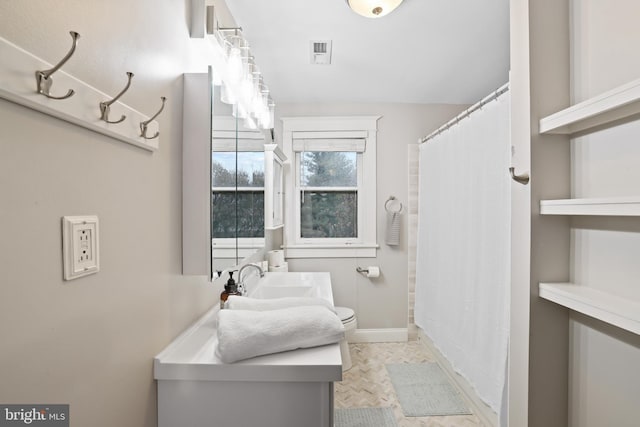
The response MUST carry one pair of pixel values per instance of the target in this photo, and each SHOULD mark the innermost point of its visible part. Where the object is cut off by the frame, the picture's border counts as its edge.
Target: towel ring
(391, 199)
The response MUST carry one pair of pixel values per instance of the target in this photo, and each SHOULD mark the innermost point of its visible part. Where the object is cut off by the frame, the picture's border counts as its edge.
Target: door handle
(521, 179)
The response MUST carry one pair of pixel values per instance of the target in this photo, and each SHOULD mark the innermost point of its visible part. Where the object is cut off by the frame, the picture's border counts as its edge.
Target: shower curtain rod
(466, 113)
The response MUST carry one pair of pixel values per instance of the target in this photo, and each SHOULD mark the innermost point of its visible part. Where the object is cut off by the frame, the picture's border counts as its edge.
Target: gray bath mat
(364, 417)
(424, 390)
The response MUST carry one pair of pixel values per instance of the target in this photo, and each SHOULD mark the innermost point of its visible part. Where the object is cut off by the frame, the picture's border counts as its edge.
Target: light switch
(80, 250)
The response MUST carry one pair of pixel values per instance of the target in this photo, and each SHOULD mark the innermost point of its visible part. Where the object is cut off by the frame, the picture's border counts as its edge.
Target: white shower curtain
(463, 254)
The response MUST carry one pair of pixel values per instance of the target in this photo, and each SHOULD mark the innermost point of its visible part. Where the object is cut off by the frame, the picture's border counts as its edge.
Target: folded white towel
(243, 334)
(236, 302)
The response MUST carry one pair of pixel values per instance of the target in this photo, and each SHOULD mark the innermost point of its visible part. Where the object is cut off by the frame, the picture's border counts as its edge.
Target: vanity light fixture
(244, 86)
(242, 82)
(373, 8)
(235, 63)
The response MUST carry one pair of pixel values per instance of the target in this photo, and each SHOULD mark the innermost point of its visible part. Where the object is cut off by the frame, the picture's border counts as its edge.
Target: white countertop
(191, 356)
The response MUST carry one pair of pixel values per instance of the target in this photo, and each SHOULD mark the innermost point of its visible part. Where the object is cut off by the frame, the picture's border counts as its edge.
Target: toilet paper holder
(371, 272)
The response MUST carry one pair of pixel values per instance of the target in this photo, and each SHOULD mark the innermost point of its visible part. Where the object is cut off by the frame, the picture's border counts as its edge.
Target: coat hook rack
(143, 125)
(17, 69)
(105, 106)
(43, 78)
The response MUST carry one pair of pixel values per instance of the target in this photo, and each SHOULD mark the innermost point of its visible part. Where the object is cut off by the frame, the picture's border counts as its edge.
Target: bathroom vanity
(289, 389)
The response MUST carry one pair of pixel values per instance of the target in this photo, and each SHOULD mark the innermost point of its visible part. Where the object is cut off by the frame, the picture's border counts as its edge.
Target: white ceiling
(426, 51)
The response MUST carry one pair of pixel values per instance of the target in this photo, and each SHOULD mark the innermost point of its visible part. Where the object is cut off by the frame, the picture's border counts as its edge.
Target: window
(332, 205)
(238, 194)
(237, 186)
(327, 187)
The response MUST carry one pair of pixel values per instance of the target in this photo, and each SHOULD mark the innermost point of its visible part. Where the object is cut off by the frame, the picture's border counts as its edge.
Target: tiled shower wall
(414, 169)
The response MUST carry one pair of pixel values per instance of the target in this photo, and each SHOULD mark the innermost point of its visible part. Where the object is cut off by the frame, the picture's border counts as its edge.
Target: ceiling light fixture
(373, 8)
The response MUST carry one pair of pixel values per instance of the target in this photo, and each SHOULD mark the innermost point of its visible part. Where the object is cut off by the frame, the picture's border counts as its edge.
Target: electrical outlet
(80, 246)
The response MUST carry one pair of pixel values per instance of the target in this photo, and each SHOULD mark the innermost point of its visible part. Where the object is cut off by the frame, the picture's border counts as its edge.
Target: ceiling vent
(320, 52)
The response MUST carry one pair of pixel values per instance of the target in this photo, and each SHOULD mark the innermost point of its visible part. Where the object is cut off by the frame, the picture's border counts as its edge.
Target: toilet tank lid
(345, 313)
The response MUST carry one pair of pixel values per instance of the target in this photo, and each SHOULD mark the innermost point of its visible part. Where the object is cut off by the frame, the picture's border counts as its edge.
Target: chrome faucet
(241, 286)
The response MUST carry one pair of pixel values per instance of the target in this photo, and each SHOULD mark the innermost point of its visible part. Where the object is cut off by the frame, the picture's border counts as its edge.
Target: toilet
(348, 317)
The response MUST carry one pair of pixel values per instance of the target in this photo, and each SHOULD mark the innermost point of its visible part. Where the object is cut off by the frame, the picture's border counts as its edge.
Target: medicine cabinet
(224, 186)
(232, 183)
(274, 163)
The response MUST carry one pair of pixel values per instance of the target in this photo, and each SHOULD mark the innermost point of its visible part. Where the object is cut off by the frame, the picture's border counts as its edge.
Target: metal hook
(104, 106)
(143, 125)
(43, 78)
(521, 179)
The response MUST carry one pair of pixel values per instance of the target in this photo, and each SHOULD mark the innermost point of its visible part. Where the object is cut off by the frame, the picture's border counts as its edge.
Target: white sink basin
(292, 284)
(267, 292)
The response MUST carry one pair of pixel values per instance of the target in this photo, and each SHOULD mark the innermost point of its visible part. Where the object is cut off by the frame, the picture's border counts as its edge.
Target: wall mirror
(232, 183)
(237, 188)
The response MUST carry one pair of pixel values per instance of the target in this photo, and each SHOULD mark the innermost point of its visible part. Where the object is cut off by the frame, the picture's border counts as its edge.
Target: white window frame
(297, 200)
(340, 130)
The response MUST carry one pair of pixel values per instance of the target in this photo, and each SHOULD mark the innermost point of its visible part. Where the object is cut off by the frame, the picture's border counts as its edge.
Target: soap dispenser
(231, 288)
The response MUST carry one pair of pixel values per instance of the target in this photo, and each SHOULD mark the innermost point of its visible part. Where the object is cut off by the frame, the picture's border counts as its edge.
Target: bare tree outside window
(329, 195)
(246, 198)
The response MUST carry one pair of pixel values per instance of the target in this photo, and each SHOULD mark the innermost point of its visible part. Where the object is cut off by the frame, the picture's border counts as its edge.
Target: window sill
(331, 251)
(239, 254)
(243, 243)
(274, 227)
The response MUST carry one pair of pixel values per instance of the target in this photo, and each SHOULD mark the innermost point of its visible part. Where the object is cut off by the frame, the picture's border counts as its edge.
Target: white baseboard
(486, 415)
(379, 335)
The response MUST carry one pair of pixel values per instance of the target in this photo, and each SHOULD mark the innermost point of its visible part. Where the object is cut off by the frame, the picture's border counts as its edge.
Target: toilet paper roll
(275, 258)
(284, 267)
(373, 271)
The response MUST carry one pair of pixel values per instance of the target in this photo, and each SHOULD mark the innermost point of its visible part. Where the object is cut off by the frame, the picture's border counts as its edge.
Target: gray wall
(91, 342)
(381, 302)
(603, 365)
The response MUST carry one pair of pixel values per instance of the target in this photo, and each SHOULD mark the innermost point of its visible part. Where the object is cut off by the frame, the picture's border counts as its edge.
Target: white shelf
(612, 105)
(18, 85)
(617, 206)
(621, 312)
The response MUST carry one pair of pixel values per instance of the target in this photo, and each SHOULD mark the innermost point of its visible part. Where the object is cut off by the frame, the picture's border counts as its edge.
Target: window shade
(343, 144)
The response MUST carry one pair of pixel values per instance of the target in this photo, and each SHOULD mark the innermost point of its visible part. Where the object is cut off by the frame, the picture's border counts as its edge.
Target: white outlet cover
(80, 248)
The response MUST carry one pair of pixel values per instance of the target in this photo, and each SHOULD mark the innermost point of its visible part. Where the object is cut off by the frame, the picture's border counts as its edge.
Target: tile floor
(367, 384)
